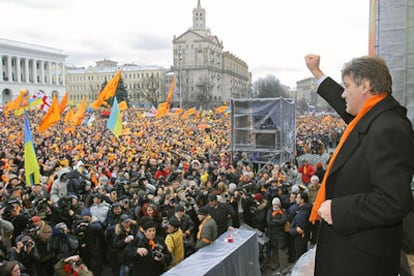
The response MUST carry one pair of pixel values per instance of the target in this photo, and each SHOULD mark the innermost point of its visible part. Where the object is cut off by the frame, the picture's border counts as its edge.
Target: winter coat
(147, 265)
(276, 231)
(369, 184)
(59, 186)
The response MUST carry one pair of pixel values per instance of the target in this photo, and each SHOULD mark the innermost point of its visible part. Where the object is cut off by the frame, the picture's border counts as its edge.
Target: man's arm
(312, 62)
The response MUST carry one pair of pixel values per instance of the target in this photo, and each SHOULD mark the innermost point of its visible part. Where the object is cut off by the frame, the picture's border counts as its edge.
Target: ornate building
(206, 74)
(137, 79)
(34, 67)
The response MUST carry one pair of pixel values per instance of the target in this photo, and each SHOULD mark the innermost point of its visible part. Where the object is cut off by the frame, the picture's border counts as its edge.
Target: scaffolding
(263, 128)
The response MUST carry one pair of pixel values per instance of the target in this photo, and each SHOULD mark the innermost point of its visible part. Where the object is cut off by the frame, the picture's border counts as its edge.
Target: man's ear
(366, 86)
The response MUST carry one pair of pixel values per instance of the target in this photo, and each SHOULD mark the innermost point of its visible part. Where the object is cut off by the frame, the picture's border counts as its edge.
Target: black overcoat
(369, 185)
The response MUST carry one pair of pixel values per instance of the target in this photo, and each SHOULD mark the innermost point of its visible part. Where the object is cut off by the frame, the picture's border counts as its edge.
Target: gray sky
(271, 36)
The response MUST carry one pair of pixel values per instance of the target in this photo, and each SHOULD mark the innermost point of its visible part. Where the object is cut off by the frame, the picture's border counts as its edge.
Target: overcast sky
(271, 36)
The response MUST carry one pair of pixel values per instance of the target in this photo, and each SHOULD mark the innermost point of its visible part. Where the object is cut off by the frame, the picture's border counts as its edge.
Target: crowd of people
(144, 202)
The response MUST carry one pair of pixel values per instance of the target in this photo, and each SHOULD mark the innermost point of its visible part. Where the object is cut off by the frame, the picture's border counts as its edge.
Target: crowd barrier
(239, 256)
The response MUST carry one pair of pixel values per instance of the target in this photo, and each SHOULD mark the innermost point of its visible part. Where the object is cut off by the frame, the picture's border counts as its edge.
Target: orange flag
(78, 116)
(69, 116)
(170, 93)
(15, 104)
(178, 111)
(162, 110)
(52, 116)
(111, 86)
(96, 104)
(63, 103)
(221, 109)
(327, 118)
(188, 113)
(123, 105)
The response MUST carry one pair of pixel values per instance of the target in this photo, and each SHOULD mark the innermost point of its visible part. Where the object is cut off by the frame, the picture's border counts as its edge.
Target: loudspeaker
(242, 138)
(267, 139)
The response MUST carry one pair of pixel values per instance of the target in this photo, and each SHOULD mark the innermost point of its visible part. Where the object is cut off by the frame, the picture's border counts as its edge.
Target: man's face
(150, 233)
(298, 199)
(97, 200)
(179, 214)
(353, 95)
(170, 228)
(117, 210)
(213, 203)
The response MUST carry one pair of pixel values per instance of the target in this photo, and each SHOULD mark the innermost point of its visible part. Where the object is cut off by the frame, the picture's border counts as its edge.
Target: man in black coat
(221, 213)
(367, 191)
(148, 253)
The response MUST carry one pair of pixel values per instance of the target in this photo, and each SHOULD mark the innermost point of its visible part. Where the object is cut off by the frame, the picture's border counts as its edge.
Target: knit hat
(258, 197)
(203, 211)
(232, 187)
(61, 225)
(276, 201)
(36, 219)
(179, 208)
(295, 188)
(85, 212)
(212, 197)
(124, 218)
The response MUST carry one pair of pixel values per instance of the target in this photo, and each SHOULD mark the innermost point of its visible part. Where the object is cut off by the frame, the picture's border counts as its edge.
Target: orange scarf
(278, 211)
(201, 226)
(320, 198)
(152, 244)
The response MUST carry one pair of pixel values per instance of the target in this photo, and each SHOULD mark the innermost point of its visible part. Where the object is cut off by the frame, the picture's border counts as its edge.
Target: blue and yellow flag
(114, 122)
(31, 167)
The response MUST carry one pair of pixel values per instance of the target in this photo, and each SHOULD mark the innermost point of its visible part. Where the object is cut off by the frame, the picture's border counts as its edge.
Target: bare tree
(268, 87)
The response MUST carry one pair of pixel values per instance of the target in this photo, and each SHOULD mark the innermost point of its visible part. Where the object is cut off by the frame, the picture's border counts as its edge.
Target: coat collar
(354, 139)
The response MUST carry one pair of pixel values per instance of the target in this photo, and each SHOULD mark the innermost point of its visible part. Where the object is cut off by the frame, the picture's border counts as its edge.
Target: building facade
(393, 39)
(30, 66)
(139, 80)
(205, 73)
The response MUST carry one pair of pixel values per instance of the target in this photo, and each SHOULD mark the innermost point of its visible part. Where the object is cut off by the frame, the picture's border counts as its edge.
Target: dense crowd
(147, 200)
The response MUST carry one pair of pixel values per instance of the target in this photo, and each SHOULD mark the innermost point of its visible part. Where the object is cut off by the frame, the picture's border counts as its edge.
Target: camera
(82, 227)
(76, 263)
(157, 252)
(28, 243)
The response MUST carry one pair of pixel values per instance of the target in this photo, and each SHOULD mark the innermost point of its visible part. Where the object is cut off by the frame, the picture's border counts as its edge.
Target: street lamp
(180, 58)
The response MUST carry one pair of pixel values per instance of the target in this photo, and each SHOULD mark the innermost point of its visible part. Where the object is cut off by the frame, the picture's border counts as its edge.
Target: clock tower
(199, 17)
